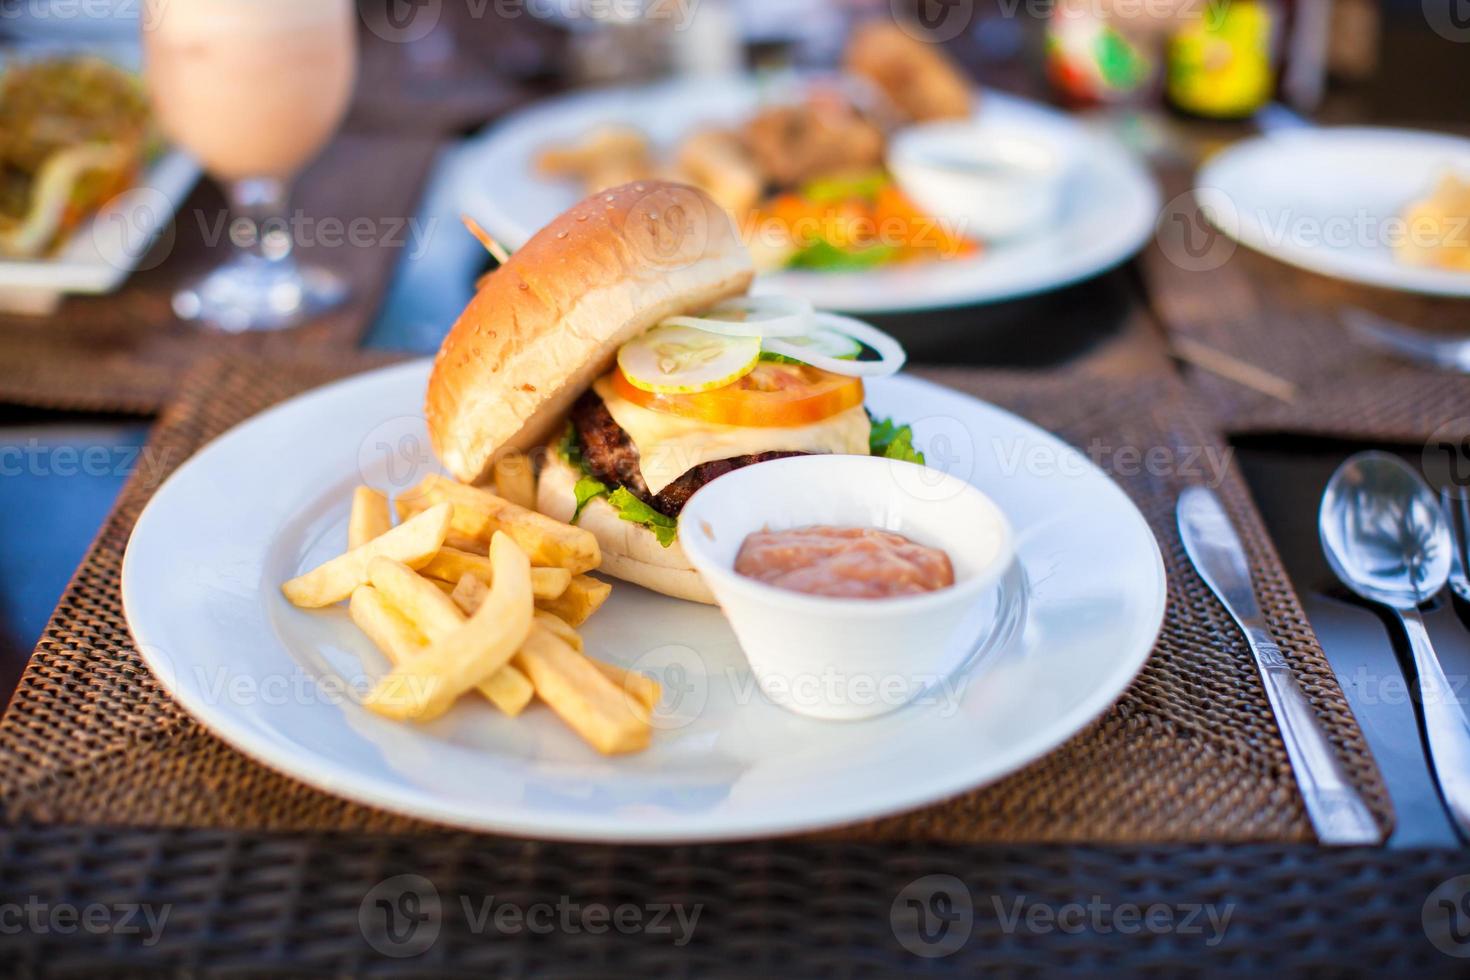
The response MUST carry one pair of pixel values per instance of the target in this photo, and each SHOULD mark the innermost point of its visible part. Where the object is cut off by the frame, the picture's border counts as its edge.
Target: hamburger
(618, 347)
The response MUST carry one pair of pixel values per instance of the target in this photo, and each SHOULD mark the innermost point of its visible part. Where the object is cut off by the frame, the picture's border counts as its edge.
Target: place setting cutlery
(1391, 540)
(1455, 502)
(1393, 337)
(1336, 809)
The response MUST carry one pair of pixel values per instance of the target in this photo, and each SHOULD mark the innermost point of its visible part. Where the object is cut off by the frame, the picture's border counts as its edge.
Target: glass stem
(259, 225)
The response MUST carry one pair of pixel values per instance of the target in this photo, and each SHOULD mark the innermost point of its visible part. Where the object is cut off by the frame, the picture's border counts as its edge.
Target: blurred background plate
(1108, 211)
(106, 248)
(1333, 200)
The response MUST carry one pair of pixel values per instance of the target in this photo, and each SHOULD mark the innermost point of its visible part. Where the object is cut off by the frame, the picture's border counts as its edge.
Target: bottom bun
(629, 551)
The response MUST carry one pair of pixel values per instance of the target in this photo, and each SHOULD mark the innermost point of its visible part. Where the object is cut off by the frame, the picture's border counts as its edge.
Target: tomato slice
(772, 395)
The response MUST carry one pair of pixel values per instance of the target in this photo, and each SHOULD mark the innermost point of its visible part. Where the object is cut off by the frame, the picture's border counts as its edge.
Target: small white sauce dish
(992, 182)
(845, 658)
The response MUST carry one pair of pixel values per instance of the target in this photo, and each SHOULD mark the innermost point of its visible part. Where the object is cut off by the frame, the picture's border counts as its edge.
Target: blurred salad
(849, 223)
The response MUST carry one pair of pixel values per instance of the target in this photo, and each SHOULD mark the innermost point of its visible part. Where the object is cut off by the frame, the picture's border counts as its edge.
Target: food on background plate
(74, 133)
(1437, 227)
(843, 562)
(492, 622)
(915, 76)
(620, 344)
(605, 157)
(805, 178)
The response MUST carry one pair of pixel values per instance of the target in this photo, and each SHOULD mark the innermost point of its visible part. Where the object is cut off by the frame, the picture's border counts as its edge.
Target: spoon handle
(1444, 723)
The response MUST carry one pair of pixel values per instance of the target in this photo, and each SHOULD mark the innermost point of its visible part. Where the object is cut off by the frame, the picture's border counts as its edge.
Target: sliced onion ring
(890, 352)
(767, 316)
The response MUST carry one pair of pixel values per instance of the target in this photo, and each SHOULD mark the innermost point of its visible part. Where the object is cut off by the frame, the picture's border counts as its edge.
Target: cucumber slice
(679, 360)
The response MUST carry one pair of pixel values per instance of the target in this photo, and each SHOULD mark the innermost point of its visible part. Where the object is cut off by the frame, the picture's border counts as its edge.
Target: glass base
(251, 293)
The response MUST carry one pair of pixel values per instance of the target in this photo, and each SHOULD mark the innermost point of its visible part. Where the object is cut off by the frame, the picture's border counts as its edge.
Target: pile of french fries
(475, 593)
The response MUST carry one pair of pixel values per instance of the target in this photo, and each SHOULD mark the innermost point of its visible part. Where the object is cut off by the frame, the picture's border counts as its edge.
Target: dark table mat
(1189, 753)
(307, 905)
(1215, 297)
(126, 352)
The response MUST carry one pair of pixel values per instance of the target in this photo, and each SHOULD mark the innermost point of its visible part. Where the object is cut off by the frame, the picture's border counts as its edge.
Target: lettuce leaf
(570, 447)
(824, 256)
(832, 190)
(893, 441)
(630, 508)
(588, 488)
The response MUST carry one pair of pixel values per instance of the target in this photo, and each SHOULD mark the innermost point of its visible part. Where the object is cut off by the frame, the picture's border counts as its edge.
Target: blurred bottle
(705, 40)
(1221, 62)
(1093, 58)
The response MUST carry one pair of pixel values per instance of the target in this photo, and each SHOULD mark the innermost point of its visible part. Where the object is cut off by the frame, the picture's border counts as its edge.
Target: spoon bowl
(1386, 537)
(1383, 531)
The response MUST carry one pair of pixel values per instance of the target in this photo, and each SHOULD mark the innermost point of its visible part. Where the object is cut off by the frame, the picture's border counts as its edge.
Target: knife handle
(1444, 723)
(1337, 812)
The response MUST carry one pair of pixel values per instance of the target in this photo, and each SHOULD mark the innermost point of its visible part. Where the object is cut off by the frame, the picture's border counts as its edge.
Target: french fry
(369, 517)
(389, 629)
(425, 606)
(451, 564)
(435, 616)
(413, 542)
(515, 480)
(407, 506)
(561, 628)
(471, 591)
(425, 687)
(582, 597)
(479, 514)
(469, 545)
(581, 695)
(640, 687)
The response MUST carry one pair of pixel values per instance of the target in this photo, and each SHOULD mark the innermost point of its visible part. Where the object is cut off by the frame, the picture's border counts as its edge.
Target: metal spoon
(1385, 536)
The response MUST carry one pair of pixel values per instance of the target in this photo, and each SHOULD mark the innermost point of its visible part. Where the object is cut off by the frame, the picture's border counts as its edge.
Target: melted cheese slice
(670, 446)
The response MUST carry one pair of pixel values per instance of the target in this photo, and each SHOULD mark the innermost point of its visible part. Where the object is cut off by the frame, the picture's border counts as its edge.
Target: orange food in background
(879, 226)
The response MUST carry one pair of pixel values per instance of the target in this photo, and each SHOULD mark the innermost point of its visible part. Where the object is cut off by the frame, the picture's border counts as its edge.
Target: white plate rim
(417, 804)
(1216, 175)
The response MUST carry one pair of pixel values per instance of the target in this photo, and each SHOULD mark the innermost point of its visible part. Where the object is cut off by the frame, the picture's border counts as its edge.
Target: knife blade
(1333, 804)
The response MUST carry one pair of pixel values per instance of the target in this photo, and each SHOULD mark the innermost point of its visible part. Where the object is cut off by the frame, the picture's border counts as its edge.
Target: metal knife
(1337, 811)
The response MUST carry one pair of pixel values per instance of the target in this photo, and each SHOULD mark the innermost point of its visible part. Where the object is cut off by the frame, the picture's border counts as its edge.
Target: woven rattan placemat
(126, 352)
(1190, 753)
(312, 905)
(1283, 360)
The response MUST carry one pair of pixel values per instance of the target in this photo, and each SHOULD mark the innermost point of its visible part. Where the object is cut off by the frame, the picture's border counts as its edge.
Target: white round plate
(1109, 205)
(269, 499)
(1331, 200)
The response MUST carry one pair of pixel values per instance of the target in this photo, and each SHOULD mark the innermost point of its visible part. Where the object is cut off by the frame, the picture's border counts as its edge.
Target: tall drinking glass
(254, 89)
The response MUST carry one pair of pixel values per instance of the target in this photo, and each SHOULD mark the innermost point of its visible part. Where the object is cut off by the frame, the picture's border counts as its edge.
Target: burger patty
(610, 455)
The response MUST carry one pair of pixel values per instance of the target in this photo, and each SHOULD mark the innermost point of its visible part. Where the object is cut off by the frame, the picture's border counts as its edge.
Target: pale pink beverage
(254, 89)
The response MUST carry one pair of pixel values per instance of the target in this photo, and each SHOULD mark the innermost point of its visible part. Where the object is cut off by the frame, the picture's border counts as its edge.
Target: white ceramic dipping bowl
(850, 658)
(995, 182)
